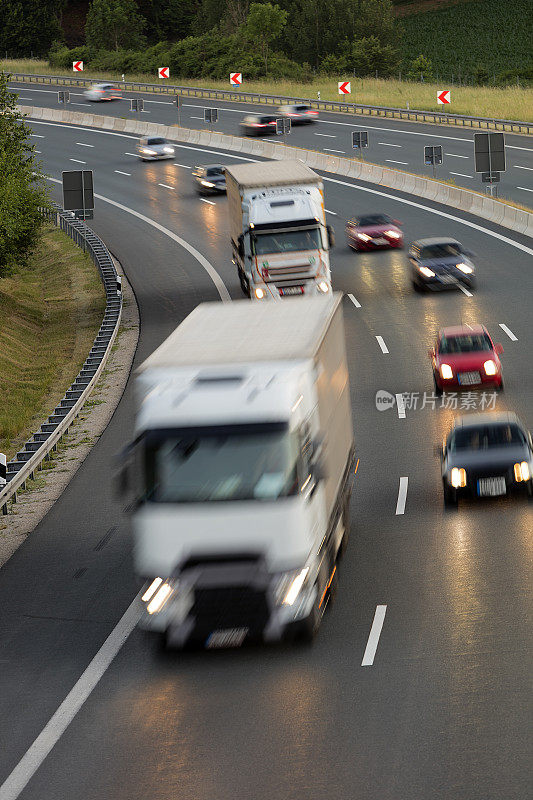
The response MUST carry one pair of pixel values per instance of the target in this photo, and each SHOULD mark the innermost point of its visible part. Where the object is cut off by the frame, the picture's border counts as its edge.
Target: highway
(443, 710)
(392, 143)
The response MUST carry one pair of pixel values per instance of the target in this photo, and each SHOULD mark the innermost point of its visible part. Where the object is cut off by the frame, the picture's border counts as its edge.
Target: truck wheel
(245, 284)
(346, 525)
(450, 497)
(308, 628)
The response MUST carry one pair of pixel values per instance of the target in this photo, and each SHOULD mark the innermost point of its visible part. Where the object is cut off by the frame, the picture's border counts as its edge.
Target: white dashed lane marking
(373, 637)
(356, 303)
(509, 332)
(384, 348)
(402, 496)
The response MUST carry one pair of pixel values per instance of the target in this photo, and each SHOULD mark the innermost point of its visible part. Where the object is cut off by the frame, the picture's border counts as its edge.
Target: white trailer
(279, 237)
(243, 460)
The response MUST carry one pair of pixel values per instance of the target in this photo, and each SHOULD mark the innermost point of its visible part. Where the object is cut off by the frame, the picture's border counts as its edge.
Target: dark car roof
(263, 117)
(473, 420)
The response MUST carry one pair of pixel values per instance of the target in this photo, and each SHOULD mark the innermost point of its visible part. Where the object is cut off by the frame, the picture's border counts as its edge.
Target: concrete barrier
(488, 208)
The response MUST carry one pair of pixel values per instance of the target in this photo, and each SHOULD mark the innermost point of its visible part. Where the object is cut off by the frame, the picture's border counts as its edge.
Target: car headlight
(160, 597)
(363, 237)
(521, 472)
(427, 272)
(168, 149)
(458, 477)
(490, 367)
(465, 268)
(323, 287)
(393, 234)
(207, 183)
(446, 372)
(289, 585)
(259, 293)
(148, 152)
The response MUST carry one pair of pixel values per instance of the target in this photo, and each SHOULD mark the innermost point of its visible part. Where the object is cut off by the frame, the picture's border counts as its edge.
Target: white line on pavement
(197, 118)
(77, 161)
(390, 161)
(524, 189)
(509, 332)
(59, 722)
(517, 166)
(160, 102)
(37, 151)
(455, 155)
(211, 203)
(400, 405)
(465, 290)
(123, 173)
(327, 135)
(373, 638)
(384, 348)
(78, 104)
(132, 154)
(388, 144)
(82, 144)
(38, 135)
(356, 303)
(461, 175)
(331, 212)
(402, 496)
(165, 186)
(181, 165)
(330, 150)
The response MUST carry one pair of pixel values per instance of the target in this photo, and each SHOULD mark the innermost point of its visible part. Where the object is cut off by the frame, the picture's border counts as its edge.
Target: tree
(264, 23)
(421, 69)
(168, 20)
(28, 27)
(21, 190)
(114, 24)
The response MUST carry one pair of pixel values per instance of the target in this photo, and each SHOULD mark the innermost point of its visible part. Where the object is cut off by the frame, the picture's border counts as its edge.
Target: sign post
(283, 127)
(360, 141)
(211, 115)
(137, 105)
(178, 106)
(489, 156)
(63, 97)
(78, 192)
(433, 157)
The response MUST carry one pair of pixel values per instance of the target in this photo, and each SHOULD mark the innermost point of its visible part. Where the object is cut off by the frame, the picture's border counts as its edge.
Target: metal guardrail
(412, 115)
(45, 440)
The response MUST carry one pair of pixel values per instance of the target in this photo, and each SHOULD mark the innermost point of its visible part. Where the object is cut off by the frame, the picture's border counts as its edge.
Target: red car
(373, 231)
(466, 356)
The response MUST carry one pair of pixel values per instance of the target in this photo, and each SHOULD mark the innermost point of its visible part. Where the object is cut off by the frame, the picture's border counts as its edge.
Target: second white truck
(279, 237)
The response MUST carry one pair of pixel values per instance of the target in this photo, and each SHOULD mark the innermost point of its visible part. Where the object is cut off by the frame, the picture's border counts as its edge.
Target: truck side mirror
(240, 242)
(331, 236)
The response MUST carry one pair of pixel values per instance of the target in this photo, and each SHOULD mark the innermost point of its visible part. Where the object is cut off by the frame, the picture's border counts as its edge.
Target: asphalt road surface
(444, 710)
(392, 143)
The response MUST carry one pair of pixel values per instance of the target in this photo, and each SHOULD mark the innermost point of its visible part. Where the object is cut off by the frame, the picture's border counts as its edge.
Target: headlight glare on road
(427, 272)
(490, 367)
(363, 237)
(521, 472)
(159, 599)
(465, 268)
(323, 287)
(446, 372)
(458, 477)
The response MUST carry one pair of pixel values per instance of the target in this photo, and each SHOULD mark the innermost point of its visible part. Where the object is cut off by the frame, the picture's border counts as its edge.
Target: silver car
(299, 114)
(153, 148)
(99, 92)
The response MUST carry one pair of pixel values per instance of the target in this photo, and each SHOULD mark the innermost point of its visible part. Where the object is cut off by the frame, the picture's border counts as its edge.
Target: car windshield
(374, 219)
(156, 140)
(465, 344)
(444, 250)
(483, 437)
(301, 108)
(212, 171)
(241, 462)
(286, 242)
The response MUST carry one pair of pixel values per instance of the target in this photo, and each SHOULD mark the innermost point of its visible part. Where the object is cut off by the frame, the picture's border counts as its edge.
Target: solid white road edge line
(517, 166)
(384, 348)
(211, 271)
(509, 332)
(400, 405)
(181, 165)
(330, 150)
(461, 175)
(327, 135)
(402, 496)
(390, 161)
(373, 637)
(455, 155)
(356, 303)
(524, 189)
(389, 144)
(57, 725)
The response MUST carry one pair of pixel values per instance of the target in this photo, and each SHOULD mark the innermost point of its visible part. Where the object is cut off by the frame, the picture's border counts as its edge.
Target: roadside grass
(51, 312)
(512, 102)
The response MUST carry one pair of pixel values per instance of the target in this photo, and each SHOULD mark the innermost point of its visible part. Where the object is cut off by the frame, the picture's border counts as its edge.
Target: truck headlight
(521, 472)
(259, 293)
(160, 598)
(323, 287)
(289, 585)
(427, 272)
(446, 372)
(490, 367)
(458, 477)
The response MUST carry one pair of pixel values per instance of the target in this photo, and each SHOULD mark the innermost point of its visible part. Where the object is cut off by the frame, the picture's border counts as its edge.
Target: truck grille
(229, 607)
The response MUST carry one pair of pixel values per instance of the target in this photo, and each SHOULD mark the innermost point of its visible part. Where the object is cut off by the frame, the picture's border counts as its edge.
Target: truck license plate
(491, 487)
(227, 637)
(291, 290)
(468, 378)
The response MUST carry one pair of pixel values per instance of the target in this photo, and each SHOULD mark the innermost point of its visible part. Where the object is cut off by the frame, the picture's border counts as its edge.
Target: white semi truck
(279, 237)
(243, 459)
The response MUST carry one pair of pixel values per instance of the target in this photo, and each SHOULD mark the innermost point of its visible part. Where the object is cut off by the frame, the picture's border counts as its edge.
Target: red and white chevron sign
(77, 66)
(163, 72)
(235, 78)
(344, 87)
(444, 97)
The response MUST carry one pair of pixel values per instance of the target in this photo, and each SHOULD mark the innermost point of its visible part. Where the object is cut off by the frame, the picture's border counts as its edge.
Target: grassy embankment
(50, 312)
(513, 102)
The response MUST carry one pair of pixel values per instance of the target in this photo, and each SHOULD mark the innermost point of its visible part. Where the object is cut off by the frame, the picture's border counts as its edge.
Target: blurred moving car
(210, 179)
(465, 355)
(258, 125)
(99, 92)
(153, 148)
(373, 231)
(299, 114)
(486, 455)
(441, 263)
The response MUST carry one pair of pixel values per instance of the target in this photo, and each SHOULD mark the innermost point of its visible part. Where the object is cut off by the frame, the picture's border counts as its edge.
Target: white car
(152, 148)
(299, 114)
(99, 92)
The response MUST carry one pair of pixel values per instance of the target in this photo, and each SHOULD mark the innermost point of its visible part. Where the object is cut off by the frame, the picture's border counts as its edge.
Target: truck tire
(346, 525)
(245, 284)
(450, 498)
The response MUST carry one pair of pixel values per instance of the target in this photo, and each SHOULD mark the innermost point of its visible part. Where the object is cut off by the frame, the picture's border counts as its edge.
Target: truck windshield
(286, 242)
(242, 462)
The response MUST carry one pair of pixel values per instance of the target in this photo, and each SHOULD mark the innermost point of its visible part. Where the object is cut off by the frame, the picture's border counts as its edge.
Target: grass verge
(51, 312)
(512, 102)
